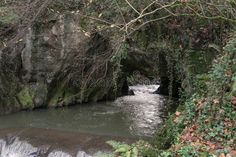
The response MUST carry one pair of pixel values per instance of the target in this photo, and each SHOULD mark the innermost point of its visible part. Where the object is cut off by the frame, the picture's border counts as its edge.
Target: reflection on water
(144, 110)
(128, 116)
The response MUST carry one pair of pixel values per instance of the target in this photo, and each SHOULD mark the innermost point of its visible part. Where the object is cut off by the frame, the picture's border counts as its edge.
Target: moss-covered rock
(25, 98)
(62, 96)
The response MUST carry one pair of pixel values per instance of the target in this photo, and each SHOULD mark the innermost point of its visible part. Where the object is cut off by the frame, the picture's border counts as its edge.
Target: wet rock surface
(51, 64)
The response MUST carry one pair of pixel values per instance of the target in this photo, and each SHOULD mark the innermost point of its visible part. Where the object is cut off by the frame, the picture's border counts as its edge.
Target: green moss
(7, 16)
(25, 98)
(200, 83)
(63, 95)
(92, 94)
(54, 100)
(199, 62)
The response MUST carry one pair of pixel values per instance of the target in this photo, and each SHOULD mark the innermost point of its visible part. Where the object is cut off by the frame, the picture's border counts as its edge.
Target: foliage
(187, 151)
(25, 98)
(124, 150)
(140, 148)
(166, 136)
(7, 16)
(116, 60)
(209, 116)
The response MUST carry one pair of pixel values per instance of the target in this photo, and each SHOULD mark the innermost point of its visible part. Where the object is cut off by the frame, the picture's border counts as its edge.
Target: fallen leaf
(222, 155)
(210, 144)
(194, 127)
(228, 124)
(234, 101)
(201, 104)
(228, 155)
(226, 131)
(177, 113)
(233, 153)
(176, 120)
(228, 73)
(216, 101)
(207, 121)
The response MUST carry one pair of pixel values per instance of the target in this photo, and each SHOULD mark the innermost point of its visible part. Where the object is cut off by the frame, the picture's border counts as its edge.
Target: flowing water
(19, 148)
(129, 116)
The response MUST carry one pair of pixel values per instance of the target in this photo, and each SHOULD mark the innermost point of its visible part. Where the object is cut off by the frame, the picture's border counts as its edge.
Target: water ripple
(143, 109)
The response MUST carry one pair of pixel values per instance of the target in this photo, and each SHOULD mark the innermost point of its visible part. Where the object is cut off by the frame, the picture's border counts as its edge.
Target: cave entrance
(146, 69)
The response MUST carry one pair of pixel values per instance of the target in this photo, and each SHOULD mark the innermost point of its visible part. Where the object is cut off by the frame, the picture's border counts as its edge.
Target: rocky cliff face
(57, 63)
(64, 54)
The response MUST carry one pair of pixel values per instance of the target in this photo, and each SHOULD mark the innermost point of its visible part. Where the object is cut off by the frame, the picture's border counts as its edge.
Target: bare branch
(132, 7)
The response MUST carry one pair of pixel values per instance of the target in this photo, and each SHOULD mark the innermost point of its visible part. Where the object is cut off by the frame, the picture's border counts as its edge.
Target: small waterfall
(141, 89)
(58, 154)
(14, 147)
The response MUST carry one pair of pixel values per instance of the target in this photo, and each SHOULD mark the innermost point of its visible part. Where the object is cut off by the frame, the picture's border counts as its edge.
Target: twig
(132, 7)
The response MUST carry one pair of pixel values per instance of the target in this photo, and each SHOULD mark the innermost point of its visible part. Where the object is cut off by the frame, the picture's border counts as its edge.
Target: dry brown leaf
(234, 101)
(210, 144)
(194, 127)
(226, 131)
(233, 153)
(228, 124)
(177, 113)
(228, 155)
(216, 101)
(228, 74)
(222, 155)
(201, 104)
(176, 120)
(207, 121)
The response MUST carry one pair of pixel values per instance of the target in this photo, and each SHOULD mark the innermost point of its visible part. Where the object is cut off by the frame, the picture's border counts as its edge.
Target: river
(126, 119)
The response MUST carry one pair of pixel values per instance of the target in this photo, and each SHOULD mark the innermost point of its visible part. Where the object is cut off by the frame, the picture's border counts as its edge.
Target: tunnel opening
(142, 68)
